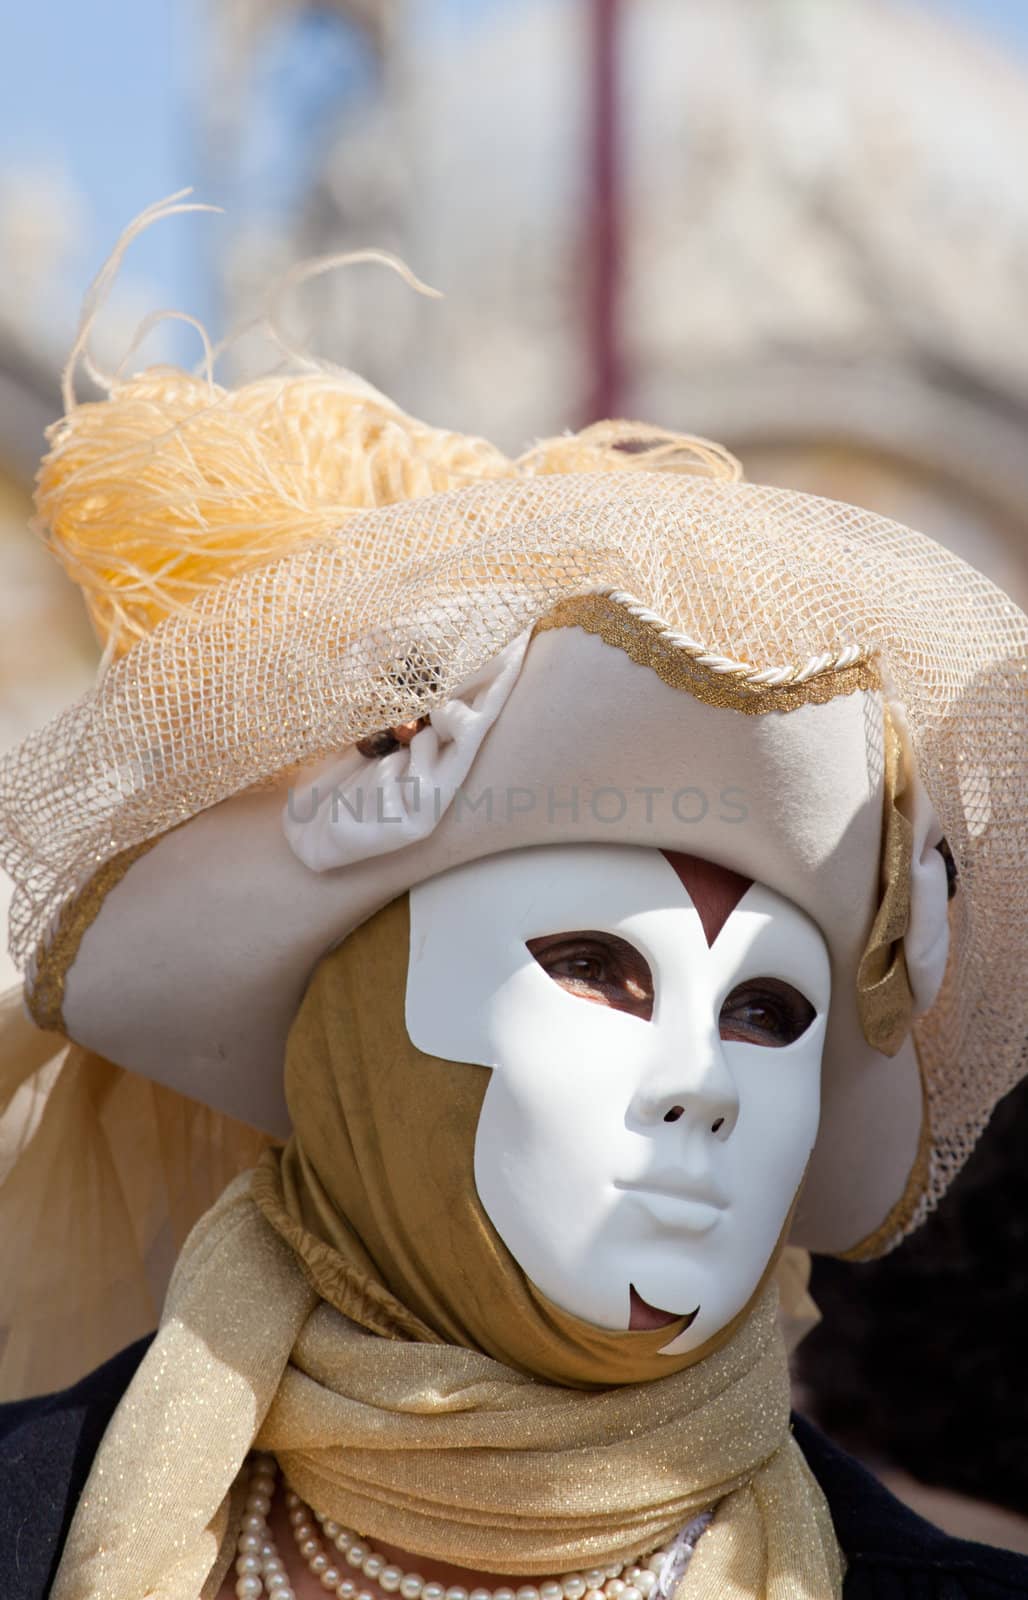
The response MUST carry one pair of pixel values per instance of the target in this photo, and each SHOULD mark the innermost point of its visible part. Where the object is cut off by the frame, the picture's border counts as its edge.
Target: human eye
(765, 1011)
(598, 967)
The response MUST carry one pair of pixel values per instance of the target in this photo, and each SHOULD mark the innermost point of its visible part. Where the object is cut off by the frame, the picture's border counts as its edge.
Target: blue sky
(104, 94)
(92, 100)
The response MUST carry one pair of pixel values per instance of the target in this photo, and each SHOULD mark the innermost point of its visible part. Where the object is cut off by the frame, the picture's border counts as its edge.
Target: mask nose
(696, 1093)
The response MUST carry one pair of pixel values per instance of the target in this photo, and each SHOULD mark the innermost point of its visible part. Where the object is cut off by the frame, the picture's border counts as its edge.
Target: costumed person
(544, 891)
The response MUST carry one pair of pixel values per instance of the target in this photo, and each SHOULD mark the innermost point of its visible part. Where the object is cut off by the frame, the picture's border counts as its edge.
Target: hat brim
(195, 961)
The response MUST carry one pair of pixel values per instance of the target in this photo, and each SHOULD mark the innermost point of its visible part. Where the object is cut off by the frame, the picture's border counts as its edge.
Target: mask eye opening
(767, 1012)
(383, 743)
(599, 967)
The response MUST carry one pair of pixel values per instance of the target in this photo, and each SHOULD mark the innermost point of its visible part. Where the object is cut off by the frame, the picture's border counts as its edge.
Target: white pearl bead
(528, 1591)
(248, 1563)
(372, 1565)
(481, 1594)
(594, 1594)
(613, 1587)
(258, 1505)
(630, 1592)
(309, 1548)
(249, 1588)
(262, 1483)
(250, 1544)
(330, 1579)
(273, 1581)
(357, 1554)
(456, 1592)
(365, 1594)
(615, 1569)
(646, 1581)
(435, 1591)
(412, 1585)
(390, 1579)
(656, 1562)
(574, 1586)
(331, 1529)
(503, 1594)
(252, 1523)
(346, 1589)
(319, 1563)
(595, 1577)
(551, 1591)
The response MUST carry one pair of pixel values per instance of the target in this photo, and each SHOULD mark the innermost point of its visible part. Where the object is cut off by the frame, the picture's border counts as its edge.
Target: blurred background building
(796, 225)
(799, 226)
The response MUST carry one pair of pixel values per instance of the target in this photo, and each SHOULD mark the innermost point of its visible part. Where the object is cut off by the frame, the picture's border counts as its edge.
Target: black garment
(46, 1450)
(892, 1553)
(47, 1446)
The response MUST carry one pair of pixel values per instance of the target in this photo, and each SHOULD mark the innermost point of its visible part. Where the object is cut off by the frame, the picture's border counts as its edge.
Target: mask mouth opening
(644, 1316)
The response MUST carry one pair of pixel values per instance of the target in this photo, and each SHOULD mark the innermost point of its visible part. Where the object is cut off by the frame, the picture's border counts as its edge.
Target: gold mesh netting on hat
(376, 621)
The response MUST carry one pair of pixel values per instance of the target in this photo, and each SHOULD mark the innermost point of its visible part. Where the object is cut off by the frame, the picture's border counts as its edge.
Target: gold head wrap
(349, 1308)
(376, 1189)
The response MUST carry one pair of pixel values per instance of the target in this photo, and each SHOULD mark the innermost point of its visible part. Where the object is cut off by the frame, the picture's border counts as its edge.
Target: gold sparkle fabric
(884, 998)
(444, 1452)
(350, 1308)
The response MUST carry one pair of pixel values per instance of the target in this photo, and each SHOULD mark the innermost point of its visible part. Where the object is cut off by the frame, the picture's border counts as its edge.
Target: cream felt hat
(797, 689)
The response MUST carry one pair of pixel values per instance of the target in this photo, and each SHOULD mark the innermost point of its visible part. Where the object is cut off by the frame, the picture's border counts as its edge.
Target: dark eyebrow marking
(714, 891)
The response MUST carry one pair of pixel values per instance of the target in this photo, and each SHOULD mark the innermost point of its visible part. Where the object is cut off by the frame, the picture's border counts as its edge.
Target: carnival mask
(655, 1036)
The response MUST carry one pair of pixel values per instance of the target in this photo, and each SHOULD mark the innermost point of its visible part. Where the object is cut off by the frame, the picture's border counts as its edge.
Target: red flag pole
(604, 228)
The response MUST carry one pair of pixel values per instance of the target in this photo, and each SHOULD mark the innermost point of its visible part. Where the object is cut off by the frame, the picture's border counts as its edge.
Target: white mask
(615, 1152)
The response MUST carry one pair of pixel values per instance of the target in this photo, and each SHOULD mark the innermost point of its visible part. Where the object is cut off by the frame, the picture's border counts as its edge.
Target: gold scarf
(427, 1427)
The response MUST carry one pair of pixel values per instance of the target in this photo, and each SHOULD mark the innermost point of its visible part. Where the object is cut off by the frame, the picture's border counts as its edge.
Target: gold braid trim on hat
(680, 663)
(44, 994)
(904, 1215)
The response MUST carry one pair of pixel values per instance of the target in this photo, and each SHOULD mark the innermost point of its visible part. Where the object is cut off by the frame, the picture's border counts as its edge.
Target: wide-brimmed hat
(797, 689)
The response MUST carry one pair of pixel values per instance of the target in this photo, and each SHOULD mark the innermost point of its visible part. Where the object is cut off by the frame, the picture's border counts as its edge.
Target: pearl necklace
(260, 1570)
